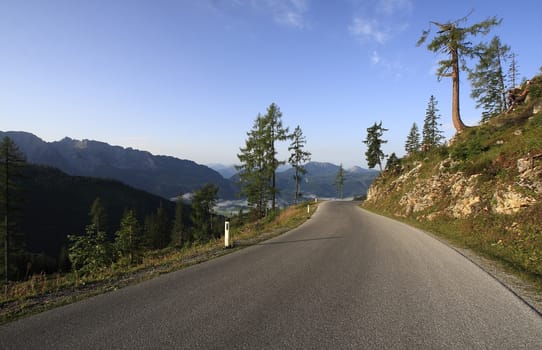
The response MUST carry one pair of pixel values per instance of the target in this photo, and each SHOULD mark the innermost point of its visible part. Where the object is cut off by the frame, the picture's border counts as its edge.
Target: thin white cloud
(380, 20)
(289, 13)
(367, 30)
(391, 7)
(291, 19)
(390, 68)
(375, 58)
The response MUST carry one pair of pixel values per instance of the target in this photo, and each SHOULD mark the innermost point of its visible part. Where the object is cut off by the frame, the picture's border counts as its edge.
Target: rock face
(455, 194)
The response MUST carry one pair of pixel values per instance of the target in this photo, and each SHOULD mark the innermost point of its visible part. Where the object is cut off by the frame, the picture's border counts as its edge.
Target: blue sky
(187, 78)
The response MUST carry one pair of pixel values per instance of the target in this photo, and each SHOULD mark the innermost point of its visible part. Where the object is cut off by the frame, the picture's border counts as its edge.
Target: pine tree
(432, 135)
(203, 202)
(275, 131)
(488, 79)
(89, 252)
(177, 234)
(298, 157)
(128, 238)
(162, 230)
(157, 230)
(253, 171)
(257, 172)
(452, 41)
(412, 144)
(513, 71)
(98, 215)
(393, 164)
(12, 162)
(339, 181)
(374, 141)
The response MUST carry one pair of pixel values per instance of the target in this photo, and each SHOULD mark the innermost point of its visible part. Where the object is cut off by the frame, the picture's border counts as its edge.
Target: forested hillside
(55, 205)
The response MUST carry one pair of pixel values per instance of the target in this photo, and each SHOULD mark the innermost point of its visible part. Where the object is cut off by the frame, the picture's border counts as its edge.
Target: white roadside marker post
(227, 234)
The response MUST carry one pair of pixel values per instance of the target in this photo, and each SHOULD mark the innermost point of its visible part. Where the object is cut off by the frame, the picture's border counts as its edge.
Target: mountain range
(318, 182)
(168, 177)
(164, 176)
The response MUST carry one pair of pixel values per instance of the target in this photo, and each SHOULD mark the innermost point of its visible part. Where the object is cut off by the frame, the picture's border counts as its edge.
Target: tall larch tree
(253, 173)
(275, 131)
(453, 41)
(298, 157)
(12, 162)
(259, 163)
(374, 154)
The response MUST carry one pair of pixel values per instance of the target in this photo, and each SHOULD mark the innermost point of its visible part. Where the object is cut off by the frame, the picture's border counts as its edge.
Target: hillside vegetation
(42, 292)
(482, 191)
(57, 205)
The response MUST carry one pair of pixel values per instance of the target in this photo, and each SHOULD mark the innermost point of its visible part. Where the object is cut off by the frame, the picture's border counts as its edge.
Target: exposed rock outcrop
(457, 195)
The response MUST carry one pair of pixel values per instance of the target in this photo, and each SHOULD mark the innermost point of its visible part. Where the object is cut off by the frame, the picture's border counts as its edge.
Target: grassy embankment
(491, 150)
(44, 292)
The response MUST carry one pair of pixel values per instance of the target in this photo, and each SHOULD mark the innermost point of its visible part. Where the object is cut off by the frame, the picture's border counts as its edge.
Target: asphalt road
(346, 279)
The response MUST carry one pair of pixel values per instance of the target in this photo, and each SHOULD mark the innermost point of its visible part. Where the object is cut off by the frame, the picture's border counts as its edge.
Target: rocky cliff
(449, 192)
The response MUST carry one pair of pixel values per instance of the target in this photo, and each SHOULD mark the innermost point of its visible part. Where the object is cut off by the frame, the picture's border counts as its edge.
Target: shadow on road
(301, 240)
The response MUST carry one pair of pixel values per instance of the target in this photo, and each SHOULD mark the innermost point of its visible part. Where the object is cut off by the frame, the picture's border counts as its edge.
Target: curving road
(345, 279)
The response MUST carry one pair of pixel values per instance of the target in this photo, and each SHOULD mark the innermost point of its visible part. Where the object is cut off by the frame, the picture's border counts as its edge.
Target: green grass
(43, 292)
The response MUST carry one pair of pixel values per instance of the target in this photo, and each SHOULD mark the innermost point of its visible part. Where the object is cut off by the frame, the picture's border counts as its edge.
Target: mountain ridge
(165, 176)
(168, 176)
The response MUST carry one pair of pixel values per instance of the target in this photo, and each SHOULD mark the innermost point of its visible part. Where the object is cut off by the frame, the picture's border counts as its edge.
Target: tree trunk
(6, 251)
(456, 117)
(296, 185)
(273, 189)
(6, 219)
